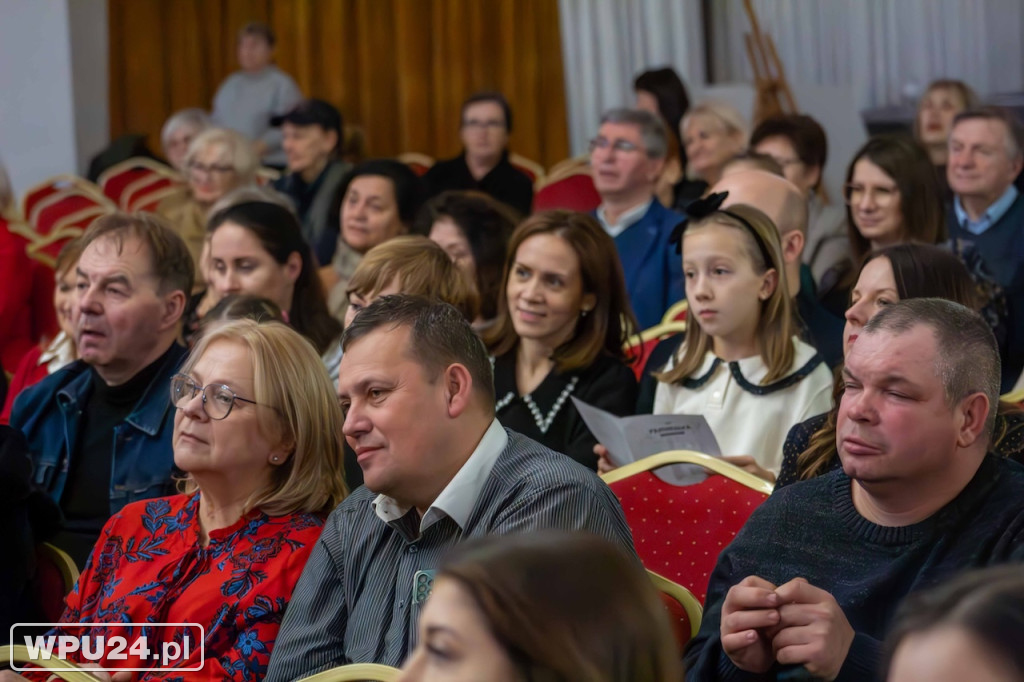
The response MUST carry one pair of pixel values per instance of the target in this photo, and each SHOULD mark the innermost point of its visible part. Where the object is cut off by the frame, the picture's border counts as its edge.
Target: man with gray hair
(815, 576)
(986, 220)
(626, 159)
(417, 390)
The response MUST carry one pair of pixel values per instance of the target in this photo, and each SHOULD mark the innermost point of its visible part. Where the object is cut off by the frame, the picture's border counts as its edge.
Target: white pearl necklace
(543, 423)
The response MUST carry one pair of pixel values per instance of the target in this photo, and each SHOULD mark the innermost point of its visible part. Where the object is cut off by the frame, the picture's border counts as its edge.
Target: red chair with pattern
(684, 611)
(419, 163)
(69, 209)
(531, 169)
(677, 312)
(679, 531)
(640, 346)
(133, 174)
(57, 185)
(573, 192)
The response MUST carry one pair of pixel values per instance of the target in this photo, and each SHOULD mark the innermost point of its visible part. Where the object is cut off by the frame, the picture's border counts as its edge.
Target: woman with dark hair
(888, 276)
(661, 91)
(892, 197)
(969, 628)
(256, 248)
(474, 230)
(378, 201)
(560, 330)
(544, 606)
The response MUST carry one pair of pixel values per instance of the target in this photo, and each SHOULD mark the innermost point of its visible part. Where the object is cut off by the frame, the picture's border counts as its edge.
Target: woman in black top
(560, 332)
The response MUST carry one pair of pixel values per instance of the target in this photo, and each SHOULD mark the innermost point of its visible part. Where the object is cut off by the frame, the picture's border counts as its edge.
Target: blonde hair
(235, 148)
(6, 195)
(724, 113)
(775, 326)
(421, 267)
(298, 407)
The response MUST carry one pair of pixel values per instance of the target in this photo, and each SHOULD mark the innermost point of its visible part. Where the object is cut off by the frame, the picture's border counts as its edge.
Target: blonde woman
(713, 132)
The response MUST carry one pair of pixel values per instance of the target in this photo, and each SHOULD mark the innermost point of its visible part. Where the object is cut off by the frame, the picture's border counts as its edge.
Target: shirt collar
(630, 217)
(992, 214)
(458, 498)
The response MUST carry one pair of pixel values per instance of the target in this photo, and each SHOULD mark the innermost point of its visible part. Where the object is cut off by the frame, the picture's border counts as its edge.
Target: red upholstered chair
(56, 575)
(679, 531)
(574, 192)
(67, 209)
(677, 312)
(58, 667)
(639, 346)
(1015, 397)
(684, 611)
(58, 184)
(116, 180)
(148, 198)
(419, 163)
(534, 170)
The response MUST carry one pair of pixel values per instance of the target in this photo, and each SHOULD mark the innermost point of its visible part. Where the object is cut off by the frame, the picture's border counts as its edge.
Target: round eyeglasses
(218, 399)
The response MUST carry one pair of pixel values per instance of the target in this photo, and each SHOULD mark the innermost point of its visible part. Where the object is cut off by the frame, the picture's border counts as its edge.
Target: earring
(583, 313)
(275, 458)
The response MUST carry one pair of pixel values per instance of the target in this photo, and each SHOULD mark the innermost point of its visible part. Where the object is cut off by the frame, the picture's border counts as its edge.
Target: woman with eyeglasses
(892, 197)
(218, 160)
(258, 434)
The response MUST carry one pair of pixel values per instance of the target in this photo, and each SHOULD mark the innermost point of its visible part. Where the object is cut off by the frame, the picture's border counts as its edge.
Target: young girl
(741, 366)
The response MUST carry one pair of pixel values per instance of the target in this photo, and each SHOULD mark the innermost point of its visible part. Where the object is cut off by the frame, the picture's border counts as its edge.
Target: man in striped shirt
(418, 394)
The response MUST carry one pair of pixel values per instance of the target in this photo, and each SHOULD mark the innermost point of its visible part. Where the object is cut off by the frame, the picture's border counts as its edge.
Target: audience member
(916, 502)
(969, 628)
(413, 265)
(218, 161)
(263, 470)
(895, 273)
(248, 99)
(936, 109)
(474, 230)
(379, 201)
(483, 164)
(626, 159)
(439, 469)
(507, 609)
(560, 333)
(892, 197)
(16, 292)
(312, 137)
(40, 362)
(713, 133)
(799, 145)
(661, 92)
(178, 132)
(740, 365)
(750, 160)
(256, 248)
(242, 307)
(100, 428)
(986, 153)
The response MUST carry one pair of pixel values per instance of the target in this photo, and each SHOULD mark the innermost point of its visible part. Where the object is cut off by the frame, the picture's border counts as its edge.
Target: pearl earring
(275, 458)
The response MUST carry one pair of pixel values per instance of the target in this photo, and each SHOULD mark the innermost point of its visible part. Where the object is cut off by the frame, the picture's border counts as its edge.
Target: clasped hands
(792, 624)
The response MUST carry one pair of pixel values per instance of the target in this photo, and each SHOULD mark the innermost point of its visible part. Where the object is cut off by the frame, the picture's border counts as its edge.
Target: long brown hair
(775, 326)
(605, 329)
(601, 624)
(920, 271)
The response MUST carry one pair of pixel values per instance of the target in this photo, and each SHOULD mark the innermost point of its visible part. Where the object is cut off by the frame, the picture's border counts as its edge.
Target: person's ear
(293, 266)
(588, 303)
(769, 281)
(792, 246)
(813, 176)
(654, 168)
(332, 140)
(458, 389)
(971, 417)
(173, 308)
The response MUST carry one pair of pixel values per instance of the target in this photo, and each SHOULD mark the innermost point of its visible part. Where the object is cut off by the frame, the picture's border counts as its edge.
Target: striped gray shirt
(354, 602)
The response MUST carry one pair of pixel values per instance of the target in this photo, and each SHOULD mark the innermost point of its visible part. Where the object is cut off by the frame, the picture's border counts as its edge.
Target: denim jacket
(49, 414)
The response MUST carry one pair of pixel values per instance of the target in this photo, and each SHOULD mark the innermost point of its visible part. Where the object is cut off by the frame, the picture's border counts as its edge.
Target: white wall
(49, 123)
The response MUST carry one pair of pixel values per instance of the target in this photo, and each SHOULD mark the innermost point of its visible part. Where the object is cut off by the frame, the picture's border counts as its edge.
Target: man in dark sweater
(814, 577)
(99, 430)
(986, 219)
(483, 164)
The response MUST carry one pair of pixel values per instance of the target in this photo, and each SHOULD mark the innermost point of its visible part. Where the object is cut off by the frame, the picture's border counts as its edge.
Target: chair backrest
(574, 192)
(570, 166)
(419, 163)
(356, 671)
(58, 185)
(148, 198)
(19, 653)
(532, 169)
(67, 210)
(684, 611)
(640, 346)
(679, 531)
(677, 312)
(56, 575)
(1015, 397)
(115, 180)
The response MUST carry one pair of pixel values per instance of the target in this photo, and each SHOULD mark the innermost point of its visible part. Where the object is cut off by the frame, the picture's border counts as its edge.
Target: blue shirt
(992, 214)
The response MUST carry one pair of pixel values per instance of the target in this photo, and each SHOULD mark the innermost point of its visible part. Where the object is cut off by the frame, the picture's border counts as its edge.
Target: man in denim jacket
(99, 430)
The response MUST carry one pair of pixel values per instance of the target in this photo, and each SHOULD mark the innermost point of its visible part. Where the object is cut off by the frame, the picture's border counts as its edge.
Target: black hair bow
(696, 210)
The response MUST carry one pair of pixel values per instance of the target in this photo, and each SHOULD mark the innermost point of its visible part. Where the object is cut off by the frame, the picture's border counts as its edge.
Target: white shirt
(744, 422)
(627, 219)
(457, 499)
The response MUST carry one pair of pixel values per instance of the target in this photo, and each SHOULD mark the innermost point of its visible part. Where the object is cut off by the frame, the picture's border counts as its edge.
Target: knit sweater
(812, 530)
(246, 102)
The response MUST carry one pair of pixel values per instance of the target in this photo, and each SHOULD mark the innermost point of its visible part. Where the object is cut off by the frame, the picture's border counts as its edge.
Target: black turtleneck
(86, 498)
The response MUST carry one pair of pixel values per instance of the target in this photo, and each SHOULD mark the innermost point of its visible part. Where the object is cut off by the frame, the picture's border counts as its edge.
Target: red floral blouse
(149, 566)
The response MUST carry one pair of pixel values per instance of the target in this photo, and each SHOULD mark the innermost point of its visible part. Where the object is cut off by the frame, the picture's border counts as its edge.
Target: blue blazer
(653, 269)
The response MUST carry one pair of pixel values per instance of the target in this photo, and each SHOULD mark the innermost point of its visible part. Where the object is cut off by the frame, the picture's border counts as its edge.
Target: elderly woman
(218, 161)
(713, 132)
(262, 463)
(179, 131)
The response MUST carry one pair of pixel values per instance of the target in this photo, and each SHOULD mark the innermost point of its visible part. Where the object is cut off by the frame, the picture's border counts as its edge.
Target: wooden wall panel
(398, 68)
